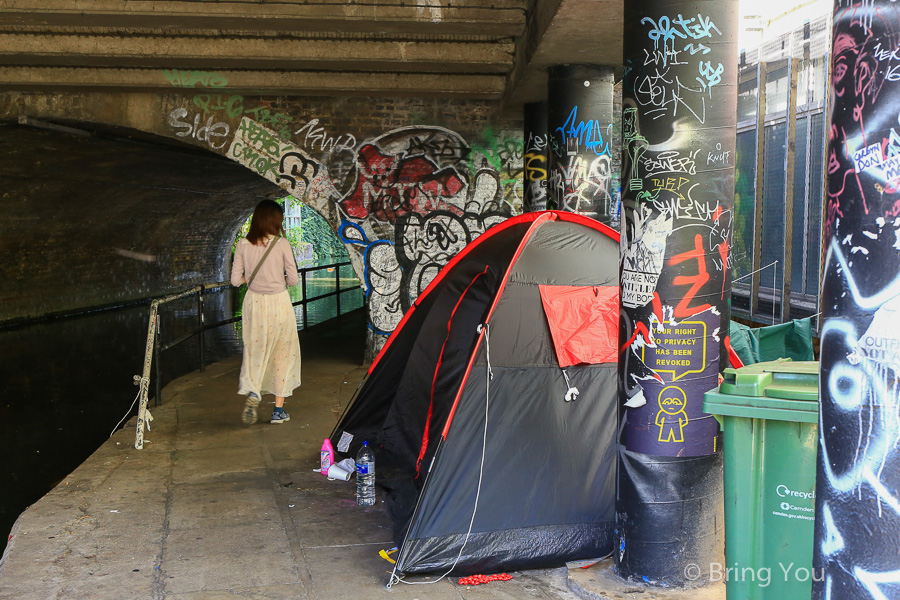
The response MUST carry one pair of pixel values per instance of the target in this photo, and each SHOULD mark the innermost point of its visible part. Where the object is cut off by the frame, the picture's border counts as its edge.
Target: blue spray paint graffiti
(382, 277)
(675, 41)
(589, 134)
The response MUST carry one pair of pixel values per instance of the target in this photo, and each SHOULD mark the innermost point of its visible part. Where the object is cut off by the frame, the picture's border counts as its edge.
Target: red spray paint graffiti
(683, 309)
(390, 186)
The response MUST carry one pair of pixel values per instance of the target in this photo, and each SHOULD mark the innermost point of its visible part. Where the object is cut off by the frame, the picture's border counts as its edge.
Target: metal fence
(780, 166)
(153, 348)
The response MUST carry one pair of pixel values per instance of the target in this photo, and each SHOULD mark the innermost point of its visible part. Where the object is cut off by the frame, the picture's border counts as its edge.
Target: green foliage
(327, 247)
(242, 232)
(313, 229)
(294, 237)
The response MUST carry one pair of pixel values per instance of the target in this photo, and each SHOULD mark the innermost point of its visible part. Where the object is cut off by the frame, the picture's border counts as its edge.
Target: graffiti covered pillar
(678, 132)
(580, 126)
(858, 478)
(535, 197)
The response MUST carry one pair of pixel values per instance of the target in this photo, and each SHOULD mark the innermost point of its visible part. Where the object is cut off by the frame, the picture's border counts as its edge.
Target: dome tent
(495, 401)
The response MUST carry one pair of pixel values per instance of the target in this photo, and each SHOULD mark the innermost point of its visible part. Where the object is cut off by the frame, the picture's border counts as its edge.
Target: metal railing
(153, 349)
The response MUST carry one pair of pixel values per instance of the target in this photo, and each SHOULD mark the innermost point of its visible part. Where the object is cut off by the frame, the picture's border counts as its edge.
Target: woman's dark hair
(268, 219)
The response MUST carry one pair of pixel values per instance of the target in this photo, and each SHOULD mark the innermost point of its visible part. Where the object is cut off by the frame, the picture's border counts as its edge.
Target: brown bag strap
(263, 259)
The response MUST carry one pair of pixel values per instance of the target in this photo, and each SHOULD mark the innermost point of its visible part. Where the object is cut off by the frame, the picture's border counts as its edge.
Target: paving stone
(194, 466)
(276, 592)
(219, 558)
(242, 501)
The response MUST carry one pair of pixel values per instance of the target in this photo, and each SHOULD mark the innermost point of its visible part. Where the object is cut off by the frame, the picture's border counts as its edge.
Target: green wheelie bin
(769, 414)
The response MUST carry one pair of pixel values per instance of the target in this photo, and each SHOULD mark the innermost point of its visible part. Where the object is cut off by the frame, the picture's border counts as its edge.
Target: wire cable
(143, 384)
(487, 402)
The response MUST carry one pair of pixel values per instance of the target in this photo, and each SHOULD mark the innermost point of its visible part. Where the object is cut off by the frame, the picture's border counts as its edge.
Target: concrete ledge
(599, 582)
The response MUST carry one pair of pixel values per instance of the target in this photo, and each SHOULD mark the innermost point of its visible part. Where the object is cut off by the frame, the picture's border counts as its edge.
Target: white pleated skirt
(271, 362)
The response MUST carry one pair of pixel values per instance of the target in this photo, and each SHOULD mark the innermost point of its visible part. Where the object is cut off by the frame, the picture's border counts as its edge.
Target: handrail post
(158, 397)
(144, 381)
(153, 349)
(337, 287)
(201, 319)
(305, 303)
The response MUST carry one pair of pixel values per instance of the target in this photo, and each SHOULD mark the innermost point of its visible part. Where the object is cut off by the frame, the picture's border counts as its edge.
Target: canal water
(65, 384)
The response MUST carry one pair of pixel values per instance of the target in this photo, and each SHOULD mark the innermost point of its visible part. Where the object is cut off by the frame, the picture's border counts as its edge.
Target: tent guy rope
(487, 403)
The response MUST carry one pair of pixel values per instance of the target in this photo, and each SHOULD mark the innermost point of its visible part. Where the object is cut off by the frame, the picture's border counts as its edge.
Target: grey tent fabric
(471, 378)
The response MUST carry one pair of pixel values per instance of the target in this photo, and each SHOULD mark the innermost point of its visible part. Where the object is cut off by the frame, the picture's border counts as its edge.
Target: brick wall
(90, 221)
(406, 182)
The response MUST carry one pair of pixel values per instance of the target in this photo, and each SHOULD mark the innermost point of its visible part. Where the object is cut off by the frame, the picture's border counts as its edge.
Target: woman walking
(271, 365)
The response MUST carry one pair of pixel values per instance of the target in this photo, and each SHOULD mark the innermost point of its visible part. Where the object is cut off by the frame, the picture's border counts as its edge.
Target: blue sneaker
(279, 416)
(250, 413)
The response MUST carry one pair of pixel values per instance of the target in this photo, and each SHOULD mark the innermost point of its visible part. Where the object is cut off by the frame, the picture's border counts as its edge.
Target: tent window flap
(584, 322)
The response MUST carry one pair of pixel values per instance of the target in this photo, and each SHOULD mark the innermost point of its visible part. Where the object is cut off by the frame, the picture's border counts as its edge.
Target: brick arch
(96, 216)
(411, 199)
(403, 197)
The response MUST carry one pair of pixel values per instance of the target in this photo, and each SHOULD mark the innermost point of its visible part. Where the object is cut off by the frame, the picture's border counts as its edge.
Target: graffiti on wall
(858, 478)
(213, 104)
(381, 276)
(404, 202)
(583, 185)
(858, 450)
(414, 202)
(580, 178)
(506, 157)
(314, 137)
(193, 79)
(677, 222)
(418, 187)
(262, 150)
(665, 88)
(389, 185)
(211, 132)
(536, 174)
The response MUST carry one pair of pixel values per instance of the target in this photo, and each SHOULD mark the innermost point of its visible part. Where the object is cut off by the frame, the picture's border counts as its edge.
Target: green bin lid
(782, 378)
(781, 389)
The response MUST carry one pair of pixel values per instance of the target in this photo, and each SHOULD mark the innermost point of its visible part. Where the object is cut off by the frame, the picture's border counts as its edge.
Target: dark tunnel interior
(94, 216)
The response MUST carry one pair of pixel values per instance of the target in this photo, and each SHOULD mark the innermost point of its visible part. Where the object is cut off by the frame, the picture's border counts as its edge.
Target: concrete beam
(565, 32)
(253, 53)
(499, 17)
(538, 23)
(307, 83)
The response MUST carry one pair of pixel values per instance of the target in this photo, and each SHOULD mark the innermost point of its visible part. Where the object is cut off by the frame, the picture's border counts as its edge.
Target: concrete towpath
(211, 509)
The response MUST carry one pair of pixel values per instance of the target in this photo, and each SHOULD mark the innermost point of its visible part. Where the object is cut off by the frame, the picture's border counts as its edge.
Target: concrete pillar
(678, 131)
(580, 124)
(858, 479)
(535, 156)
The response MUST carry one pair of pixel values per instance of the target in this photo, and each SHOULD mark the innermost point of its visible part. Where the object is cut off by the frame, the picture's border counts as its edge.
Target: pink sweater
(278, 272)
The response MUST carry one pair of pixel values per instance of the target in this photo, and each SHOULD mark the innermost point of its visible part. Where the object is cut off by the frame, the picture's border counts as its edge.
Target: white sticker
(891, 168)
(344, 442)
(868, 157)
(642, 261)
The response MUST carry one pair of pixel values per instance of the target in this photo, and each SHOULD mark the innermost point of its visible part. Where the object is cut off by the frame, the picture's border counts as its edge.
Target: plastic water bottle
(365, 476)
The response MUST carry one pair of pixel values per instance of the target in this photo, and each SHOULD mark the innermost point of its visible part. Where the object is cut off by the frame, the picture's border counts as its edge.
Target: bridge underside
(346, 89)
(497, 50)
